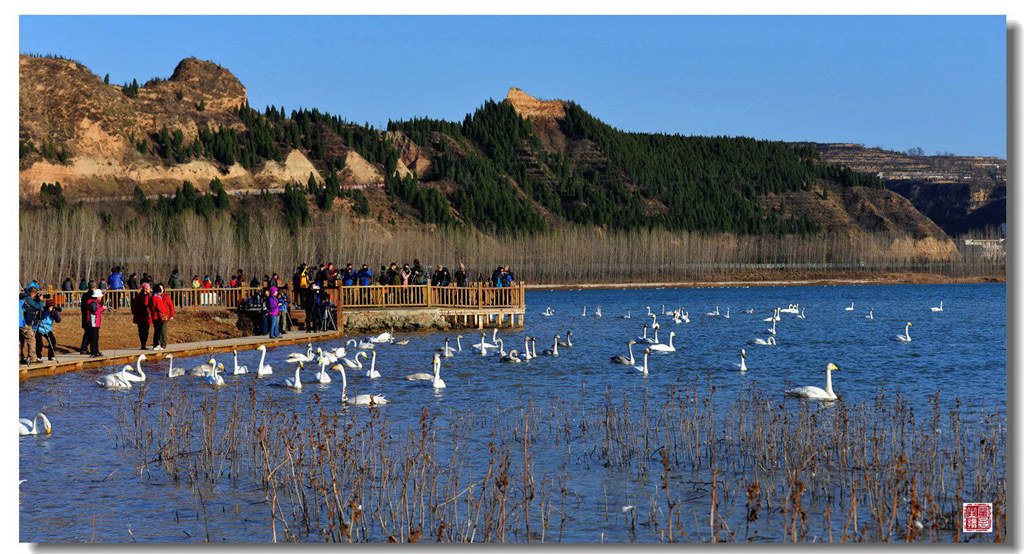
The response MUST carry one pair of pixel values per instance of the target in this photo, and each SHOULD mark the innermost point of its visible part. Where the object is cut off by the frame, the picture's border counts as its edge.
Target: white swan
(770, 341)
(850, 307)
(381, 338)
(202, 370)
(772, 329)
(815, 393)
(649, 311)
(553, 351)
(791, 309)
(801, 315)
(501, 347)
(905, 337)
(598, 312)
(446, 351)
(643, 369)
(483, 345)
(116, 380)
(659, 347)
(214, 379)
(624, 360)
(584, 311)
(513, 357)
(292, 382)
(939, 309)
(627, 315)
(726, 316)
(533, 343)
(354, 363)
(296, 357)
(263, 369)
(526, 350)
(321, 375)
(426, 376)
(141, 377)
(359, 399)
(644, 339)
(372, 373)
(31, 427)
(364, 345)
(548, 312)
(654, 322)
(172, 371)
(742, 366)
(714, 313)
(238, 369)
(750, 311)
(567, 343)
(871, 314)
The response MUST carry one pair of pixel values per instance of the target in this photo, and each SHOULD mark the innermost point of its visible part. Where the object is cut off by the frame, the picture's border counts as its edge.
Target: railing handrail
(474, 295)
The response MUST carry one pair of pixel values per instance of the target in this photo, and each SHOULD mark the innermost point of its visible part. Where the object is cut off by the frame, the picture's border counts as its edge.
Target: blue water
(81, 486)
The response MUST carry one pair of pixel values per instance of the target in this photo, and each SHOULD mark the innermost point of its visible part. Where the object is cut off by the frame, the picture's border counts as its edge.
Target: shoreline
(888, 279)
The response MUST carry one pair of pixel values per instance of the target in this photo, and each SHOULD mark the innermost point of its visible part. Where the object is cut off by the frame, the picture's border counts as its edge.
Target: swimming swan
(905, 337)
(513, 357)
(627, 315)
(292, 382)
(871, 314)
(202, 370)
(659, 347)
(624, 360)
(553, 351)
(548, 312)
(644, 339)
(598, 312)
(354, 363)
(643, 369)
(239, 369)
(214, 379)
(31, 427)
(321, 376)
(446, 351)
(263, 369)
(381, 338)
(567, 343)
(296, 357)
(742, 366)
(770, 341)
(141, 377)
(939, 309)
(172, 371)
(814, 393)
(116, 380)
(360, 399)
(425, 376)
(372, 373)
(801, 315)
(850, 307)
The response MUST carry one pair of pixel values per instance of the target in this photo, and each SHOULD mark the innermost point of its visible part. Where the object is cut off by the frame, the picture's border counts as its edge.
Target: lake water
(81, 485)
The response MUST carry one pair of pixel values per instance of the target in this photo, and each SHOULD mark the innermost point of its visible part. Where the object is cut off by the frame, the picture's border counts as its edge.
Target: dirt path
(118, 331)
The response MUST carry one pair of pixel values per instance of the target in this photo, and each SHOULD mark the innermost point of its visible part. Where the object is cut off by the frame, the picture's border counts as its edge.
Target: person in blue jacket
(116, 279)
(365, 276)
(44, 329)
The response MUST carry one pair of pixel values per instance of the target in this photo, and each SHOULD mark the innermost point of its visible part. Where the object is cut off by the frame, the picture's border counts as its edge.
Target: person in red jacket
(142, 306)
(161, 313)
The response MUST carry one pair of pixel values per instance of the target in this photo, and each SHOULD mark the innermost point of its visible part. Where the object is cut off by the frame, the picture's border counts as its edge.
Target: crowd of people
(152, 307)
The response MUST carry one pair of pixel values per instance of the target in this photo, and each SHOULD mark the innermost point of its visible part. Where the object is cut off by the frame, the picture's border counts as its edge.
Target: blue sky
(896, 82)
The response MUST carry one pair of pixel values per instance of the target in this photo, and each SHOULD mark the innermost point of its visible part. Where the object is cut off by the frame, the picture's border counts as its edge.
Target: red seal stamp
(977, 517)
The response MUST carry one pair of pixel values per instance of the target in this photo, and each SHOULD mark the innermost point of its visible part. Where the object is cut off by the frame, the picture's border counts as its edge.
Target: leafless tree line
(79, 243)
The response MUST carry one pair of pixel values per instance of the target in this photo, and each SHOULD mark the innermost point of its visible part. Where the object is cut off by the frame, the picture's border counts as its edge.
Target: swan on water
(292, 382)
(939, 308)
(321, 375)
(742, 366)
(239, 369)
(553, 351)
(624, 360)
(202, 370)
(172, 371)
(354, 363)
(446, 351)
(643, 369)
(402, 342)
(654, 322)
(296, 357)
(850, 307)
(567, 343)
(214, 379)
(526, 350)
(771, 330)
(871, 314)
(714, 313)
(116, 380)
(584, 314)
(774, 317)
(31, 427)
(548, 312)
(659, 347)
(627, 315)
(815, 393)
(533, 346)
(141, 377)
(905, 337)
(770, 341)
(365, 345)
(381, 338)
(425, 376)
(360, 399)
(801, 315)
(750, 311)
(501, 348)
(726, 316)
(483, 340)
(513, 357)
(598, 312)
(372, 373)
(263, 369)
(643, 339)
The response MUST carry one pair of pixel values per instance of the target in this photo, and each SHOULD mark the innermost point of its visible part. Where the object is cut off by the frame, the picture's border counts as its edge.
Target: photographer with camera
(30, 305)
(44, 328)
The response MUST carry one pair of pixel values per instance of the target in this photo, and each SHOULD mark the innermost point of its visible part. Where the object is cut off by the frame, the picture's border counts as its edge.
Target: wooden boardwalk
(74, 362)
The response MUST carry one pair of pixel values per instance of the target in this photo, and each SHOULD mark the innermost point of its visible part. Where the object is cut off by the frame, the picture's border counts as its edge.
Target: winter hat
(97, 293)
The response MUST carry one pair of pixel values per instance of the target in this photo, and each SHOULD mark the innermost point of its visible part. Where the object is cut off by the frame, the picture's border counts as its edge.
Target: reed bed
(80, 242)
(626, 465)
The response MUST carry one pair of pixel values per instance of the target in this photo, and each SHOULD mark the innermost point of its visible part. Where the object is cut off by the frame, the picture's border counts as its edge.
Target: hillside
(521, 164)
(959, 193)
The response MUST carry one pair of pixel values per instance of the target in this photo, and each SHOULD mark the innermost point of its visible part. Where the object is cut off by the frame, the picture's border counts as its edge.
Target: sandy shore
(886, 279)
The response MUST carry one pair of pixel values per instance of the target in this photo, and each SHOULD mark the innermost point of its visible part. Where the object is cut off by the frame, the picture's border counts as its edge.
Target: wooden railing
(476, 295)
